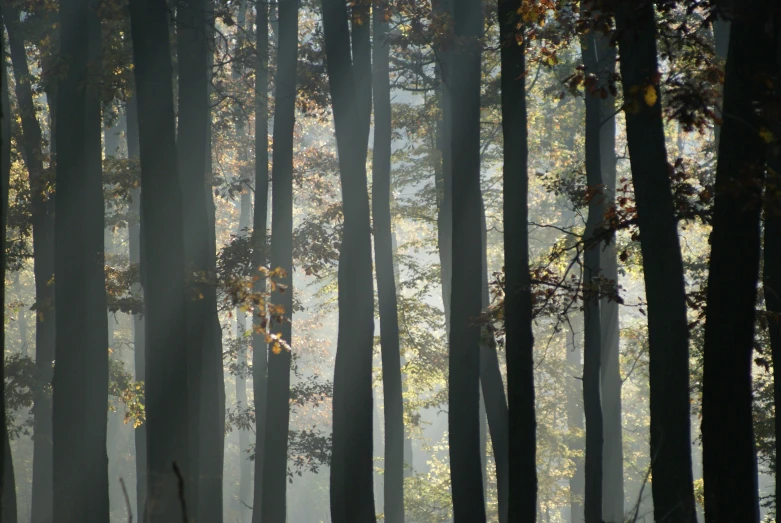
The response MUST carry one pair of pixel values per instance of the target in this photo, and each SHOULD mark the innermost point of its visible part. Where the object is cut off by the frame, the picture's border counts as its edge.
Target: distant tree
(519, 341)
(386, 284)
(465, 301)
(278, 392)
(164, 257)
(42, 207)
(668, 332)
(349, 77)
(729, 454)
(80, 383)
(5, 175)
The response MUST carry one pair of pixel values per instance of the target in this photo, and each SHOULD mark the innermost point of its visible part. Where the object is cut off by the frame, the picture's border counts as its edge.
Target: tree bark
(278, 398)
(167, 418)
(139, 323)
(260, 351)
(575, 426)
(42, 206)
(518, 301)
(729, 455)
(5, 175)
(465, 304)
(352, 496)
(592, 325)
(80, 383)
(393, 476)
(668, 333)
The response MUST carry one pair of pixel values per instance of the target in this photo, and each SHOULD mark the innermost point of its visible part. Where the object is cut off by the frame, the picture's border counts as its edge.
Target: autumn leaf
(649, 95)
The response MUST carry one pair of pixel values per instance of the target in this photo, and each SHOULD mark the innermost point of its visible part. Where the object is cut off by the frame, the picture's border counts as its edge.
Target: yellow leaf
(649, 95)
(766, 135)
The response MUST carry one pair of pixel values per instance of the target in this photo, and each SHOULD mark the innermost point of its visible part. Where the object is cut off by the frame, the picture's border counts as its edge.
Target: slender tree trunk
(139, 323)
(612, 453)
(352, 496)
(575, 426)
(393, 477)
(43, 268)
(278, 397)
(163, 257)
(465, 303)
(592, 325)
(80, 384)
(245, 472)
(5, 175)
(518, 302)
(260, 351)
(729, 455)
(9, 508)
(668, 333)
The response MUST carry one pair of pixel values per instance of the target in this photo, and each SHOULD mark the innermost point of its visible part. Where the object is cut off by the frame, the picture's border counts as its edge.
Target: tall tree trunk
(492, 387)
(80, 383)
(139, 323)
(729, 455)
(245, 472)
(612, 450)
(352, 496)
(278, 396)
(592, 325)
(204, 336)
(260, 351)
(167, 413)
(8, 491)
(575, 426)
(393, 476)
(668, 333)
(5, 175)
(43, 268)
(465, 302)
(518, 302)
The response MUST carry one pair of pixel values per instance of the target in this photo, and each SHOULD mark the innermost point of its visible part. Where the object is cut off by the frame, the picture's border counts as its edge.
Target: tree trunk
(668, 333)
(204, 342)
(139, 323)
(163, 255)
(80, 383)
(352, 496)
(260, 351)
(612, 449)
(575, 426)
(592, 325)
(42, 206)
(465, 302)
(729, 455)
(5, 175)
(9, 508)
(518, 302)
(393, 476)
(278, 406)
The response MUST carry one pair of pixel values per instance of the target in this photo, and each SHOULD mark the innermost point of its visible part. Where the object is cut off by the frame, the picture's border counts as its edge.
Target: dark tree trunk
(465, 303)
(42, 207)
(260, 351)
(163, 257)
(278, 396)
(612, 448)
(352, 496)
(668, 333)
(729, 455)
(592, 325)
(393, 476)
(80, 383)
(5, 175)
(203, 334)
(518, 302)
(139, 323)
